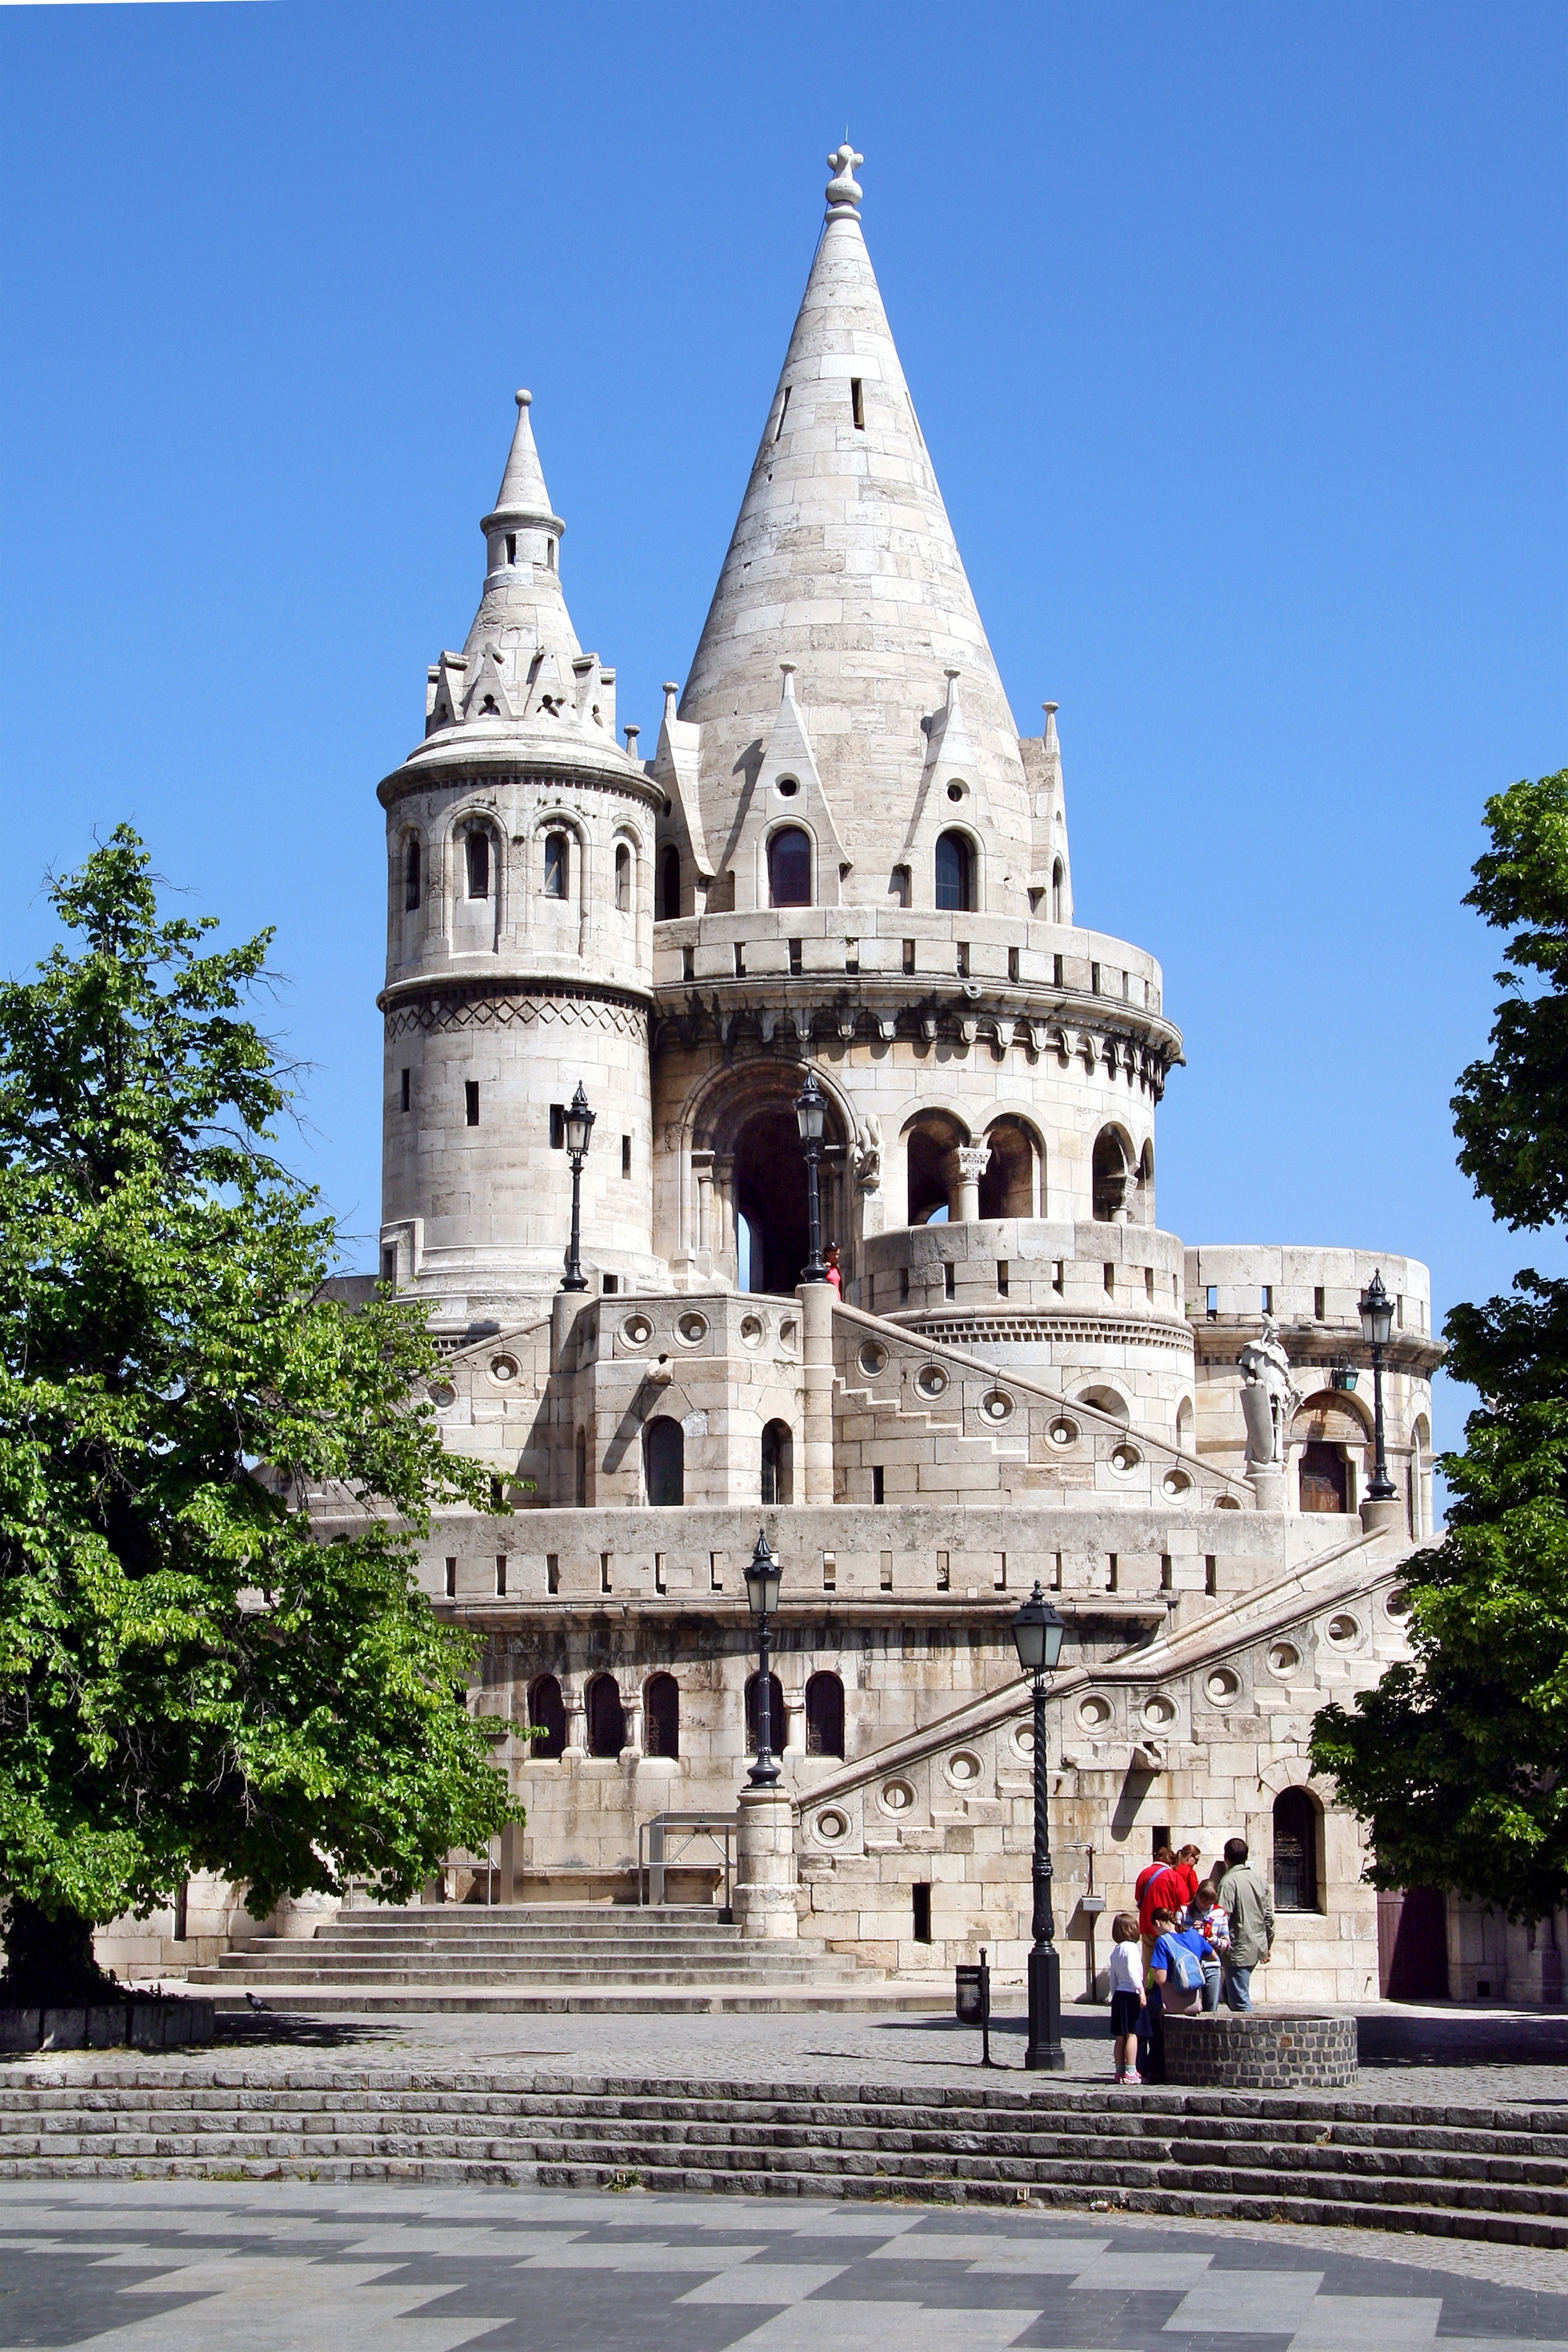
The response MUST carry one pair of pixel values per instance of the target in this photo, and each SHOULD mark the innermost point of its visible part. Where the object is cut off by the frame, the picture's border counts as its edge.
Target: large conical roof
(843, 561)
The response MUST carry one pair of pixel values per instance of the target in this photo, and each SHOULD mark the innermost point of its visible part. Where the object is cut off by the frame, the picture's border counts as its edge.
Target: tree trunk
(49, 1962)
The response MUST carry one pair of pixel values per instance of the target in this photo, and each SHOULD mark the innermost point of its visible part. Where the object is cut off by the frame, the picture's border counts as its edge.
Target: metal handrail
(719, 1828)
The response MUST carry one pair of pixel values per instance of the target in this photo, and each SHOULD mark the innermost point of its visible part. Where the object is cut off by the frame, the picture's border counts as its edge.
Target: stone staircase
(1490, 2172)
(522, 1957)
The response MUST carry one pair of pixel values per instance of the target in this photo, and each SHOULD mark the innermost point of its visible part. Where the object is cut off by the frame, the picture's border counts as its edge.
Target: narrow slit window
(476, 848)
(471, 1101)
(1057, 979)
(407, 1080)
(623, 879)
(500, 1576)
(857, 403)
(909, 955)
(921, 1893)
(626, 1156)
(451, 1580)
(557, 866)
(795, 958)
(1012, 964)
(1213, 1303)
(511, 547)
(949, 1279)
(687, 963)
(877, 1495)
(784, 412)
(1211, 1576)
(1268, 1298)
(1003, 1271)
(1111, 1278)
(558, 1126)
(553, 1571)
(411, 877)
(1319, 1302)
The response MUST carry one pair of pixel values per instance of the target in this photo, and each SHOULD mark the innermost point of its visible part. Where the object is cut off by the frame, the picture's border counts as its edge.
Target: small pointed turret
(523, 496)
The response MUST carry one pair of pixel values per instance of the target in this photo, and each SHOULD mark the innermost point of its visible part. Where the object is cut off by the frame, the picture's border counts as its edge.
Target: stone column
(1384, 1518)
(765, 1876)
(973, 1159)
(576, 1713)
(509, 1876)
(793, 1723)
(702, 1169)
(1267, 1479)
(816, 1350)
(631, 1708)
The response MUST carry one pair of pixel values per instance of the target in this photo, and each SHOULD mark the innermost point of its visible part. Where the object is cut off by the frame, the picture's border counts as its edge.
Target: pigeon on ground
(255, 2000)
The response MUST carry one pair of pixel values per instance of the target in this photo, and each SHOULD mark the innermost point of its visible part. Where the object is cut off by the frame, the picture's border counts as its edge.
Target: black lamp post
(1038, 1633)
(1376, 1323)
(762, 1593)
(810, 1111)
(579, 1128)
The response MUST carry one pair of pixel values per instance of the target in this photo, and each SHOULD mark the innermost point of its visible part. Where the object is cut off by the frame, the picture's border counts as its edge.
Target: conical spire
(523, 609)
(843, 561)
(522, 495)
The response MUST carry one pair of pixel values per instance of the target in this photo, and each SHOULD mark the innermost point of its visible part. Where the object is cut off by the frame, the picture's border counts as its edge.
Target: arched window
(411, 874)
(1295, 1852)
(477, 851)
(929, 1164)
(670, 885)
(622, 878)
(789, 867)
(778, 1462)
(1146, 1183)
(661, 1717)
(1007, 1187)
(955, 874)
(580, 1470)
(663, 1461)
(606, 1717)
(1110, 1176)
(557, 866)
(1057, 891)
(1185, 1424)
(776, 1714)
(825, 1716)
(548, 1712)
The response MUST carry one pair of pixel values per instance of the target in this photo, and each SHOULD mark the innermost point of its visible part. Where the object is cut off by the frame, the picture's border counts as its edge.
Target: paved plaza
(187, 2267)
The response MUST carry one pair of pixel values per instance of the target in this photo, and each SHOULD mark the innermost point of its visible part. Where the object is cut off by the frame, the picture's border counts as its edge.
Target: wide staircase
(1492, 2173)
(544, 1956)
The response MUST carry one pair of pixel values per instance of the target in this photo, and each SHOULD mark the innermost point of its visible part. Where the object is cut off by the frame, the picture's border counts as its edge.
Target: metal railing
(717, 1830)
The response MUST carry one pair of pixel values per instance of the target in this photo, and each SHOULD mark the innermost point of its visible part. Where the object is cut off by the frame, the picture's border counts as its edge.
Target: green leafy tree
(213, 1477)
(1458, 1761)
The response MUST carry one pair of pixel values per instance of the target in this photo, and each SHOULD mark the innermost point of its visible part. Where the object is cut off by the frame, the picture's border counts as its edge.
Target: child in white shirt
(1126, 1994)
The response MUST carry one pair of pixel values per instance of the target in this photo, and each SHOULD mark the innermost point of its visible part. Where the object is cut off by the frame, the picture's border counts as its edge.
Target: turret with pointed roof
(843, 562)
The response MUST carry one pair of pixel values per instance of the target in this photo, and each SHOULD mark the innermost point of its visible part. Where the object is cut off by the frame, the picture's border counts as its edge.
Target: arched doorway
(825, 1716)
(1111, 1176)
(547, 1714)
(929, 1148)
(1329, 1435)
(663, 1461)
(661, 1717)
(1295, 1852)
(778, 1462)
(606, 1717)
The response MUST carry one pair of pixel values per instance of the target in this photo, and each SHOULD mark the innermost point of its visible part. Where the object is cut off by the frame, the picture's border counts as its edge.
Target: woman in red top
(836, 1279)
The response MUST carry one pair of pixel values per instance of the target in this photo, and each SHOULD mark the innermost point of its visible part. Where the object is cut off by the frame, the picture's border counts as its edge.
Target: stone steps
(1476, 2173)
(442, 1953)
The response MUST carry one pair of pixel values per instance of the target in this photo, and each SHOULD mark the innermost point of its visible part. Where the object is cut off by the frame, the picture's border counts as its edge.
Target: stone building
(842, 857)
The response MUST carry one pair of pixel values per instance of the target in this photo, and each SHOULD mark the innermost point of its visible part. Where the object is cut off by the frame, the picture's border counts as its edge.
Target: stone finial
(843, 188)
(523, 399)
(787, 691)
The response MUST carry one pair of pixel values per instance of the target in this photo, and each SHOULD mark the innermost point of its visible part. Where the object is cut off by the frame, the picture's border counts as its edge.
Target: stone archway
(1329, 1438)
(749, 1172)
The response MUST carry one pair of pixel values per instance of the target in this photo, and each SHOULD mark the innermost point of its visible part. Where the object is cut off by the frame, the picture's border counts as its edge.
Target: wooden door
(1323, 1477)
(1413, 1944)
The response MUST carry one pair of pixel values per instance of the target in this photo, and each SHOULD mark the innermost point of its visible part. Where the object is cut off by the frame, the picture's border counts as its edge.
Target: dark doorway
(825, 1716)
(778, 1462)
(769, 1193)
(775, 1714)
(606, 1717)
(1295, 1852)
(1323, 1480)
(668, 908)
(546, 1709)
(1413, 1944)
(661, 1717)
(663, 1461)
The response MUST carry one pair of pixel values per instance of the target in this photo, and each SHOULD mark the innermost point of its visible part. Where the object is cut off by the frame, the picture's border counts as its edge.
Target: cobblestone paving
(287, 2267)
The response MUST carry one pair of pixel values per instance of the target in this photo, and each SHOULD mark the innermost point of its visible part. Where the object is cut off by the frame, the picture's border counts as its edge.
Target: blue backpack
(1186, 1965)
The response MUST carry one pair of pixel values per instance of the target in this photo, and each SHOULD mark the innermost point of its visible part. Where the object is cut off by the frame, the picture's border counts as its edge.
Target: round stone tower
(860, 863)
(519, 955)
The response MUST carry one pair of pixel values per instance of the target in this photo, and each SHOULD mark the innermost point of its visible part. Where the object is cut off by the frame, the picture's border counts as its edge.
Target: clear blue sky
(1237, 335)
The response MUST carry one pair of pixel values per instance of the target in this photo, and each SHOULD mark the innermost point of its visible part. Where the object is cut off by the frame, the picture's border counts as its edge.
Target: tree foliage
(1458, 1761)
(213, 1477)
(1510, 1113)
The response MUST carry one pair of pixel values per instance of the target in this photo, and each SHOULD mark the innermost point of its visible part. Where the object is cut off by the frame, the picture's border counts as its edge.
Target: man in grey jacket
(1250, 1907)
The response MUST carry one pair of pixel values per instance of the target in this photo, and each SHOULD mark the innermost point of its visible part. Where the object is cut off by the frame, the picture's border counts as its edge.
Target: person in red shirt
(1170, 1887)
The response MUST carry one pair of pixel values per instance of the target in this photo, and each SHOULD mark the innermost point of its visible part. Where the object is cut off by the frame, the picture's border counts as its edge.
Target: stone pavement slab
(288, 2266)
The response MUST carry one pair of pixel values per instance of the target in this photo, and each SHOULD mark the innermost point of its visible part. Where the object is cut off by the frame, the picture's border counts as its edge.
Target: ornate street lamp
(1037, 1631)
(1376, 1323)
(763, 1593)
(579, 1128)
(810, 1112)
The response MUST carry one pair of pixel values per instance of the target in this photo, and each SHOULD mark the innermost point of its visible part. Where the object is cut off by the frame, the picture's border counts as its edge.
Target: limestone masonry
(842, 855)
